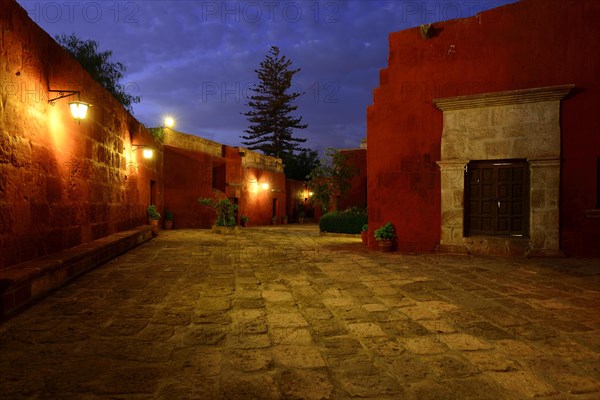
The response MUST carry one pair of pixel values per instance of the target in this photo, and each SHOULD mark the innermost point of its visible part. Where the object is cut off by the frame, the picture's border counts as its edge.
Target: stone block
(498, 149)
(298, 356)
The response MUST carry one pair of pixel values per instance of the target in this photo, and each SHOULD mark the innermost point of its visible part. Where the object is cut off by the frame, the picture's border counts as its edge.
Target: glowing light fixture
(310, 194)
(169, 122)
(265, 186)
(147, 151)
(78, 108)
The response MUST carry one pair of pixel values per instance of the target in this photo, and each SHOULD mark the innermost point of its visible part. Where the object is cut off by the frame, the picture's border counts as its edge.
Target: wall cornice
(510, 97)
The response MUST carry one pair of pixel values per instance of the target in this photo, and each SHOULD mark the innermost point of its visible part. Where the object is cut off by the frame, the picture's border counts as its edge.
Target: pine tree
(271, 123)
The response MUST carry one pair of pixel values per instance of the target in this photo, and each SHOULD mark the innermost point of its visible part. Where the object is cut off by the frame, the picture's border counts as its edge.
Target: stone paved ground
(281, 312)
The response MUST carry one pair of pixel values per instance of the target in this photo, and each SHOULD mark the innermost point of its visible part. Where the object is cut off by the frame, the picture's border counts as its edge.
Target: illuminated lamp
(78, 108)
(169, 122)
(265, 186)
(147, 151)
(310, 194)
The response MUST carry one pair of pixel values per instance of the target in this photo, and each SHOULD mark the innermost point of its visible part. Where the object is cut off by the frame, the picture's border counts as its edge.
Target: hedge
(350, 221)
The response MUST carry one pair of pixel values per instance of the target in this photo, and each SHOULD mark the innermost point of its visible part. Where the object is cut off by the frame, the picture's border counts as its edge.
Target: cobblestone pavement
(281, 312)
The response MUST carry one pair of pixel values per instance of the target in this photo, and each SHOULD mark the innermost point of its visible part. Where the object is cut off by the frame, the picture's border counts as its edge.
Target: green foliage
(364, 228)
(330, 178)
(108, 73)
(385, 232)
(271, 123)
(168, 216)
(152, 212)
(348, 221)
(245, 219)
(299, 165)
(224, 208)
(158, 133)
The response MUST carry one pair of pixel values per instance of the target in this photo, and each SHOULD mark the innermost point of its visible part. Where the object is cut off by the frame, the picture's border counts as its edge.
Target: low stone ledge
(22, 283)
(337, 234)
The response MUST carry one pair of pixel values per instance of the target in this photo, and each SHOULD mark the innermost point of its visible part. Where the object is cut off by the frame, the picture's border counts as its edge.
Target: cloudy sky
(195, 59)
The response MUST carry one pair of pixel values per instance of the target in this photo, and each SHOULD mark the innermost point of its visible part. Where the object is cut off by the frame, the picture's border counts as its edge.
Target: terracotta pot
(169, 224)
(154, 223)
(385, 246)
(364, 236)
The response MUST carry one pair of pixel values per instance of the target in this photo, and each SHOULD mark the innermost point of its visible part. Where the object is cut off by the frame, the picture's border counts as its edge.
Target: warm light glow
(148, 153)
(265, 186)
(79, 109)
(310, 194)
(169, 122)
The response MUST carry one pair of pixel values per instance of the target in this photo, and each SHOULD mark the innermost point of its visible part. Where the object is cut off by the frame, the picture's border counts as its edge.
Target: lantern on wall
(147, 151)
(78, 108)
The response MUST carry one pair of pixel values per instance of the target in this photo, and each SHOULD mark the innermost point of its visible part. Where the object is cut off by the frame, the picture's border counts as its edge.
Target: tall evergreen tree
(271, 123)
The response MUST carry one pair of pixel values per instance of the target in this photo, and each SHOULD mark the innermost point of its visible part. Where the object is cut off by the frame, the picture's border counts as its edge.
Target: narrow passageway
(282, 312)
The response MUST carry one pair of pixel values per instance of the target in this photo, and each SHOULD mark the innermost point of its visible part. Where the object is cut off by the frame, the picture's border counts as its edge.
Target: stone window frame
(517, 124)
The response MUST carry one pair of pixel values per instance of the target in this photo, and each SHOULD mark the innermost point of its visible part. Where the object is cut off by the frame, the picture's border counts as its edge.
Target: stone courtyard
(282, 312)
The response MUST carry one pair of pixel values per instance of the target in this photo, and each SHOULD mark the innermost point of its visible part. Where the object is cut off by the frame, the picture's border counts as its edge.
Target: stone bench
(22, 283)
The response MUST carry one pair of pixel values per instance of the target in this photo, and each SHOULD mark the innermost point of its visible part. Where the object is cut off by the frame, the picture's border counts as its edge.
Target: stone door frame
(517, 124)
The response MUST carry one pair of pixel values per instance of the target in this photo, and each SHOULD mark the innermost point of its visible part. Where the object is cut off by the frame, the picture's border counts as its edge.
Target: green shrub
(347, 221)
(224, 208)
(385, 232)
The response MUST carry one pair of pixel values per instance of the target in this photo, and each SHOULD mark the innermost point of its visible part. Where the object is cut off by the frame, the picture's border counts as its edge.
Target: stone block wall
(523, 124)
(63, 183)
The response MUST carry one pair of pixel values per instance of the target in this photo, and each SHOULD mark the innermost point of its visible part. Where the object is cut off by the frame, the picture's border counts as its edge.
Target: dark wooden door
(497, 198)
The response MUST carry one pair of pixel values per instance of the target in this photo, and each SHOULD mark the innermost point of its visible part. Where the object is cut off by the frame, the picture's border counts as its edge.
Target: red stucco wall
(195, 167)
(357, 194)
(62, 183)
(532, 43)
(188, 177)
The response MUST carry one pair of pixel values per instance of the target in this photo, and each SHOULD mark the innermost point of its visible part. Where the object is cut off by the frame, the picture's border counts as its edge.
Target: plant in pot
(385, 235)
(224, 209)
(153, 217)
(284, 219)
(364, 232)
(244, 220)
(274, 220)
(168, 220)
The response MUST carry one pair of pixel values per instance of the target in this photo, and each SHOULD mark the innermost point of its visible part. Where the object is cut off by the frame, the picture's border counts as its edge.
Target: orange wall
(189, 165)
(188, 176)
(357, 194)
(532, 43)
(62, 183)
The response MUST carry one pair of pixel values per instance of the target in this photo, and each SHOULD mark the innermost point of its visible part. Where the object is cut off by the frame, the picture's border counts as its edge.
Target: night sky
(195, 59)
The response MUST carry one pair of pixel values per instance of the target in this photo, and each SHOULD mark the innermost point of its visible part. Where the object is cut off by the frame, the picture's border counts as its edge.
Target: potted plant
(153, 217)
(224, 209)
(384, 235)
(244, 220)
(301, 215)
(168, 220)
(274, 220)
(364, 234)
(284, 220)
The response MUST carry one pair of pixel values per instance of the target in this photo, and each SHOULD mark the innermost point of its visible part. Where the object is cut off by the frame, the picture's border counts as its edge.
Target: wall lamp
(147, 151)
(78, 108)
